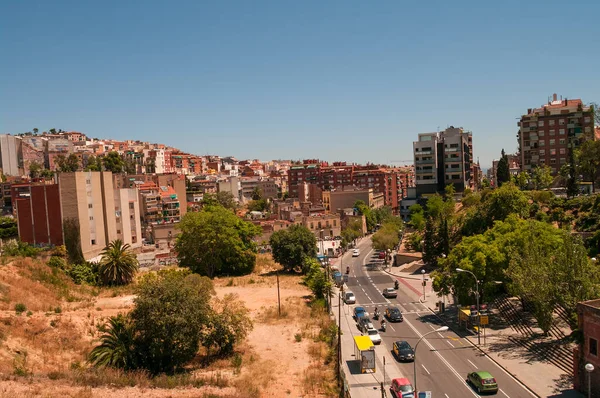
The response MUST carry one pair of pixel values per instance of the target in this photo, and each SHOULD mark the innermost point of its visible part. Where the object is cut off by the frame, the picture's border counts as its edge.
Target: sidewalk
(544, 379)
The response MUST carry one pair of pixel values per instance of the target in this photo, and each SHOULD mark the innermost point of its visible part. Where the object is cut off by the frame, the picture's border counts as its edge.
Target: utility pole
(339, 342)
(278, 297)
(382, 391)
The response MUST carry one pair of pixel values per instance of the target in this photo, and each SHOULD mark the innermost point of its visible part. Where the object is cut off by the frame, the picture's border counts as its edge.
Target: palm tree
(116, 345)
(118, 265)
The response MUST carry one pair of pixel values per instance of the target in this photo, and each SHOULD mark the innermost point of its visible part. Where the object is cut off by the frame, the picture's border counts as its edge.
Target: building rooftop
(591, 303)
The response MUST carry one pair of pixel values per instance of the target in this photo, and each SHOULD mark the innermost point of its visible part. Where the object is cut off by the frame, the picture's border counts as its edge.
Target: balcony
(425, 161)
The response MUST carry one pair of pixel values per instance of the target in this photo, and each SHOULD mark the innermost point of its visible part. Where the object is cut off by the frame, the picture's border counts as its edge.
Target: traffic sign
(484, 320)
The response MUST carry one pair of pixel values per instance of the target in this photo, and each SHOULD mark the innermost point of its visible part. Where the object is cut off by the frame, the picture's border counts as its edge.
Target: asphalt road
(442, 359)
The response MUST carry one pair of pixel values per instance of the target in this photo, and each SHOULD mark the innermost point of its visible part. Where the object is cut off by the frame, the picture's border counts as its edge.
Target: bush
(57, 262)
(20, 249)
(20, 308)
(84, 273)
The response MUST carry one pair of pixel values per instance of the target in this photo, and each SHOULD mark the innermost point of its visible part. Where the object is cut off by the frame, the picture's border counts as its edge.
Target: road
(442, 359)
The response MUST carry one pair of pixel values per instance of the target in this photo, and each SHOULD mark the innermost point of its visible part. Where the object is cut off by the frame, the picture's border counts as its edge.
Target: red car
(401, 388)
(382, 255)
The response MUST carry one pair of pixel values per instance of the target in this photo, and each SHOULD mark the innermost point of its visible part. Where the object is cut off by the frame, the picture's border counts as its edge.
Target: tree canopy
(293, 246)
(67, 164)
(215, 242)
(113, 162)
(503, 170)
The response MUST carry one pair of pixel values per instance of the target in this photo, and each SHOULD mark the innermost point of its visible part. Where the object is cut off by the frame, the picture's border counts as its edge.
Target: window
(563, 160)
(593, 347)
(552, 142)
(553, 161)
(562, 151)
(561, 131)
(91, 218)
(552, 132)
(561, 122)
(542, 142)
(562, 141)
(542, 152)
(118, 232)
(587, 119)
(552, 151)
(93, 241)
(550, 122)
(335, 223)
(541, 133)
(541, 123)
(89, 205)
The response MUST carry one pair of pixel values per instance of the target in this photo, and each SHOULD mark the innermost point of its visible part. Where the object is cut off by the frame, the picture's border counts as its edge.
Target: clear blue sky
(336, 80)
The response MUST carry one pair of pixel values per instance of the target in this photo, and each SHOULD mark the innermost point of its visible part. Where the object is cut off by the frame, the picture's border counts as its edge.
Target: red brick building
(546, 134)
(588, 314)
(38, 213)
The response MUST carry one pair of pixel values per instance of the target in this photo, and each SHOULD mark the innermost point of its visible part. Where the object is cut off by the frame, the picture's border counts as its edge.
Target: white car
(355, 253)
(374, 335)
(349, 298)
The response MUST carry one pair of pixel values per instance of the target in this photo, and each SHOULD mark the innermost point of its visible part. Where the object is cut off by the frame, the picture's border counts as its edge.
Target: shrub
(57, 262)
(298, 337)
(20, 308)
(20, 249)
(57, 310)
(84, 273)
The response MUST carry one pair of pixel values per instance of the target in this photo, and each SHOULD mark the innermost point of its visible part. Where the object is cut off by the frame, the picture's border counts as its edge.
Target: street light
(442, 329)
(477, 300)
(589, 368)
(423, 274)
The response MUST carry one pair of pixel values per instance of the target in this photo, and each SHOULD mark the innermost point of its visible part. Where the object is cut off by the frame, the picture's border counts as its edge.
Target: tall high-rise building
(443, 158)
(547, 134)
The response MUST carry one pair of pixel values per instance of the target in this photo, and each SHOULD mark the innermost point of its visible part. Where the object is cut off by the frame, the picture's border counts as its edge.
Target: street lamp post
(423, 274)
(589, 368)
(442, 329)
(477, 301)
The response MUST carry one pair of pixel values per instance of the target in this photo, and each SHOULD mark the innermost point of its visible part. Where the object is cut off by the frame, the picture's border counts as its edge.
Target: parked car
(349, 298)
(403, 351)
(355, 253)
(364, 324)
(389, 292)
(374, 335)
(382, 255)
(401, 388)
(359, 312)
(393, 314)
(482, 382)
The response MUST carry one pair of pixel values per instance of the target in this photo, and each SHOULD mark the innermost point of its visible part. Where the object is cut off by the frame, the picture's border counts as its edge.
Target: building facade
(588, 315)
(549, 133)
(38, 213)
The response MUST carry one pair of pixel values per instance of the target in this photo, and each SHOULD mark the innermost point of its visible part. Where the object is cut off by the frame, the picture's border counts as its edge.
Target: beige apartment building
(89, 198)
(345, 199)
(127, 215)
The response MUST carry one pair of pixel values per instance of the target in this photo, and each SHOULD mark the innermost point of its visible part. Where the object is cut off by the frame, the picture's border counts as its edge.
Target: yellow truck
(364, 352)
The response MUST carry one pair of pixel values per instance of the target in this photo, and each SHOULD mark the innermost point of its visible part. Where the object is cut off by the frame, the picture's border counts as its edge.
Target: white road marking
(446, 395)
(439, 334)
(425, 369)
(431, 326)
(504, 393)
(475, 366)
(448, 341)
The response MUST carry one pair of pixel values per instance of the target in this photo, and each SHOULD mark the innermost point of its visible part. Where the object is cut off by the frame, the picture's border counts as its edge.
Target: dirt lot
(42, 348)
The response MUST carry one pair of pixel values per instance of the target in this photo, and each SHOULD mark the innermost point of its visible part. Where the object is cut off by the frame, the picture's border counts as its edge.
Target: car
(355, 253)
(349, 298)
(382, 255)
(364, 324)
(482, 382)
(359, 312)
(374, 335)
(403, 351)
(401, 388)
(393, 314)
(389, 292)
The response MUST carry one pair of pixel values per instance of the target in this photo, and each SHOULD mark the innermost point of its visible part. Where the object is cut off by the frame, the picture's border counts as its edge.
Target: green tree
(35, 169)
(226, 200)
(291, 247)
(258, 205)
(573, 178)
(215, 241)
(113, 162)
(485, 184)
(257, 194)
(228, 323)
(386, 238)
(364, 210)
(589, 161)
(417, 217)
(93, 164)
(118, 264)
(351, 232)
(171, 309)
(8, 228)
(316, 280)
(116, 348)
(72, 240)
(502, 171)
(522, 180)
(67, 164)
(542, 177)
(504, 201)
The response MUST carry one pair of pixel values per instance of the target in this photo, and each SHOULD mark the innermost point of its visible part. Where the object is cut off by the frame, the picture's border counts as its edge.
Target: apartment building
(443, 158)
(548, 134)
(345, 199)
(587, 352)
(309, 172)
(11, 156)
(89, 198)
(38, 213)
(161, 210)
(128, 217)
(265, 185)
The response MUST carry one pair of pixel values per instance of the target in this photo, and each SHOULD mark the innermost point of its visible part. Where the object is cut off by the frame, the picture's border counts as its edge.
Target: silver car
(349, 298)
(389, 292)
